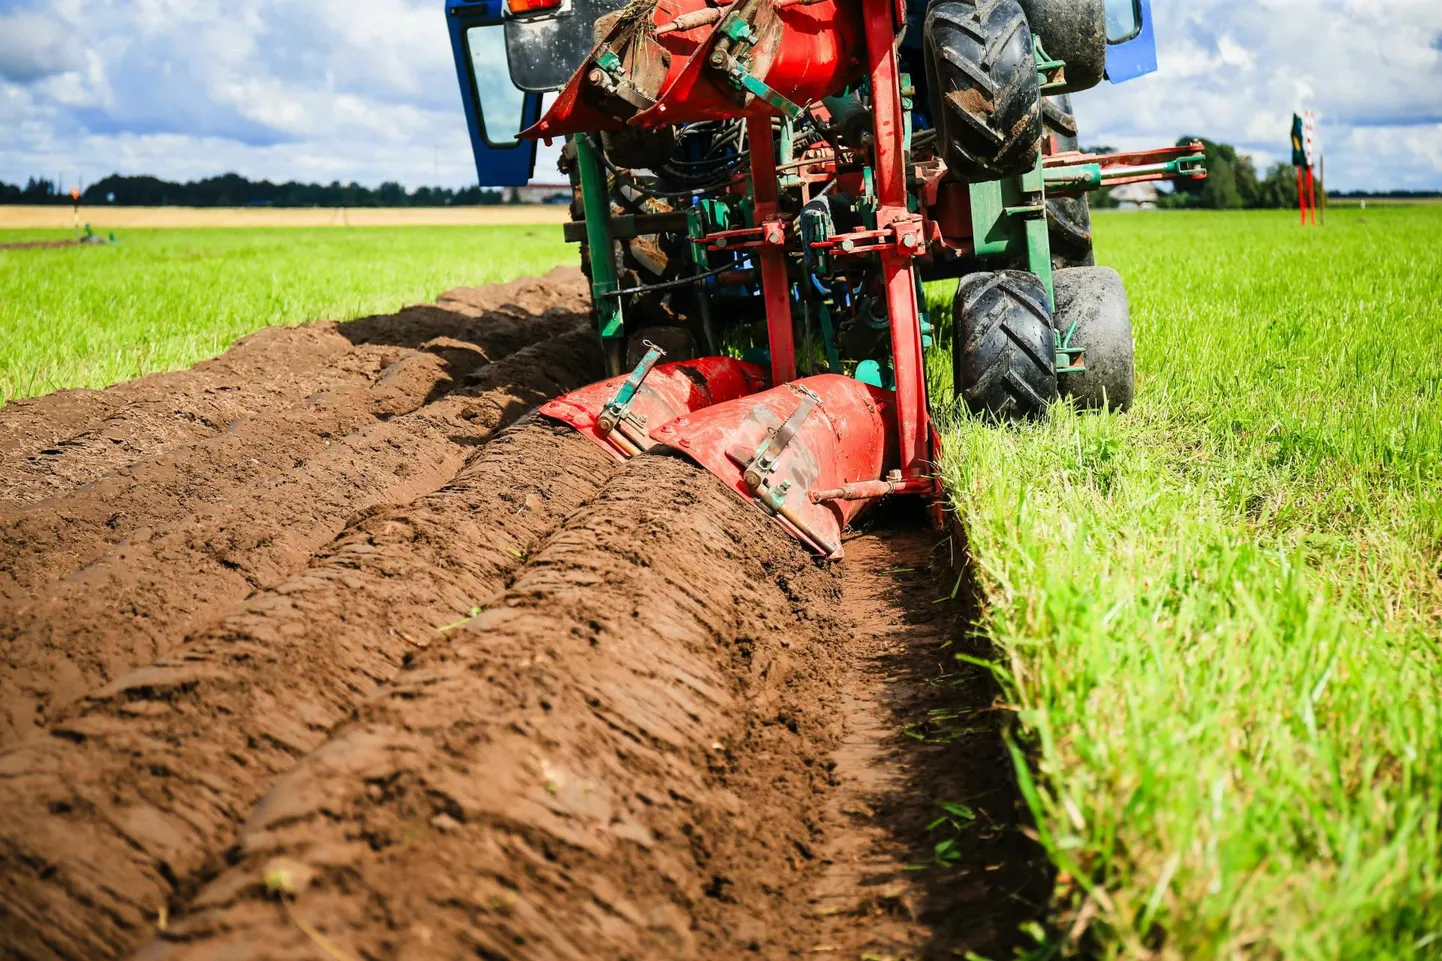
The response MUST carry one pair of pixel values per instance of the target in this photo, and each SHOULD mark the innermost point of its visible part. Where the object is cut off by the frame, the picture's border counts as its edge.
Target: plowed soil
(328, 649)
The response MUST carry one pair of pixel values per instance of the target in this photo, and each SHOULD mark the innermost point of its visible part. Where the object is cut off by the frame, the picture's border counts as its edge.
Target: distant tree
(233, 190)
(1279, 189)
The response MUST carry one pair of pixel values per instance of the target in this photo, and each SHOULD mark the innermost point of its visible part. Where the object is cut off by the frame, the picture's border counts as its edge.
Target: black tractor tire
(1095, 299)
(1004, 352)
(1074, 31)
(986, 100)
(1068, 219)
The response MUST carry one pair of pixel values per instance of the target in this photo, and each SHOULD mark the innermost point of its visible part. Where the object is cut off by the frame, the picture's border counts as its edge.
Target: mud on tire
(1004, 355)
(985, 92)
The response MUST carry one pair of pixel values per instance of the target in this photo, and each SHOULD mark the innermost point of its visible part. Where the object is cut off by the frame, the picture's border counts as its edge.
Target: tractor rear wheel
(1004, 354)
(1074, 31)
(981, 71)
(1095, 300)
(1068, 219)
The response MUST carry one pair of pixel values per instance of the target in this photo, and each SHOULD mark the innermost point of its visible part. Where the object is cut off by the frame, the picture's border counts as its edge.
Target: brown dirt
(674, 737)
(473, 691)
(64, 636)
(49, 445)
(143, 783)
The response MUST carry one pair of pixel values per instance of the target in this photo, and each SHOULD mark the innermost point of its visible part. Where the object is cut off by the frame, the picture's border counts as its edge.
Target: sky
(365, 90)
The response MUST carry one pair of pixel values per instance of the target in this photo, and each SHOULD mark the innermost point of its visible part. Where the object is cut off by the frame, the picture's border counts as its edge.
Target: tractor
(760, 189)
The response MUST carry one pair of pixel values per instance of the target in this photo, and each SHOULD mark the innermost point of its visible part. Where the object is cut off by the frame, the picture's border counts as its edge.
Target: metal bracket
(616, 413)
(763, 463)
(610, 75)
(742, 33)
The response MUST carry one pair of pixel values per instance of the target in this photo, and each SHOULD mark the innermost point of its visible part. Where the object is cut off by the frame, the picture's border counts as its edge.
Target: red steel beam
(775, 287)
(896, 265)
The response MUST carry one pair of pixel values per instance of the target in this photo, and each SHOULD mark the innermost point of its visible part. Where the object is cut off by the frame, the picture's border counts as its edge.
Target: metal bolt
(908, 240)
(847, 245)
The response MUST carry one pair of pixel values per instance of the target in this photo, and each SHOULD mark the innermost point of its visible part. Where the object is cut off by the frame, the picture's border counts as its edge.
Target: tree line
(233, 190)
(1232, 183)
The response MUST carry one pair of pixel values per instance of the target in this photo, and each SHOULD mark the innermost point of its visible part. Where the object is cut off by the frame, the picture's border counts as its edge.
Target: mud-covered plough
(760, 187)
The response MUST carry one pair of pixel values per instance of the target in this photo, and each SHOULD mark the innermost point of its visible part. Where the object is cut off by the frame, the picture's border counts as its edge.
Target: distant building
(541, 194)
(1142, 196)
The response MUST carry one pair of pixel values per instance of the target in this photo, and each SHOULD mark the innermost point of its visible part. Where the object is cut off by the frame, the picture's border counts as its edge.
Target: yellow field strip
(22, 216)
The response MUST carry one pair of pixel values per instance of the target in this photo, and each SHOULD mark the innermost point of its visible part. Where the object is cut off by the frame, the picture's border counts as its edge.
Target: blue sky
(364, 89)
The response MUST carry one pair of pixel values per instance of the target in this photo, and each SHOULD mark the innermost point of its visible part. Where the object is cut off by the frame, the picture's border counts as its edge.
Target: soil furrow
(618, 760)
(54, 443)
(925, 856)
(58, 536)
(144, 783)
(291, 363)
(139, 599)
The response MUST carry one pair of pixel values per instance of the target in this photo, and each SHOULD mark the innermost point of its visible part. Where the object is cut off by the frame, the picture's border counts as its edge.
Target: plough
(760, 188)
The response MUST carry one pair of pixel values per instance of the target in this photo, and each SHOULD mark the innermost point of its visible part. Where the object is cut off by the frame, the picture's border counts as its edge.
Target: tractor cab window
(1124, 20)
(500, 103)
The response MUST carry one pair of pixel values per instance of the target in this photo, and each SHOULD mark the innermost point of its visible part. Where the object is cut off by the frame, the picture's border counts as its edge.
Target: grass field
(91, 316)
(101, 218)
(1220, 614)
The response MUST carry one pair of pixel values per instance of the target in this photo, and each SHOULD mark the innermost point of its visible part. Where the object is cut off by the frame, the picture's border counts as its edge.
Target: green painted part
(743, 78)
(1047, 68)
(923, 314)
(738, 28)
(867, 204)
(695, 231)
(610, 63)
(1033, 181)
(621, 403)
(1009, 217)
(1038, 255)
(992, 231)
(596, 204)
(871, 372)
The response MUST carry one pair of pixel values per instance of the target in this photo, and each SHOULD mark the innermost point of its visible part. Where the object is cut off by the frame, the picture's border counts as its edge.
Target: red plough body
(777, 448)
(667, 392)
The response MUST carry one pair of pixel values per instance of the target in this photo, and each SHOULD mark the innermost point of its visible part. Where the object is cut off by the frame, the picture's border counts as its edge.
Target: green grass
(164, 299)
(1219, 614)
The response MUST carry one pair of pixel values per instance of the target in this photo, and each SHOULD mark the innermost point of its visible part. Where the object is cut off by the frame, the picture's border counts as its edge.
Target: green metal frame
(596, 205)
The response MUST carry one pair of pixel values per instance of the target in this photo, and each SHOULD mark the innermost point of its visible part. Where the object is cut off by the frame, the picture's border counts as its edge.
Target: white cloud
(33, 45)
(365, 89)
(1235, 71)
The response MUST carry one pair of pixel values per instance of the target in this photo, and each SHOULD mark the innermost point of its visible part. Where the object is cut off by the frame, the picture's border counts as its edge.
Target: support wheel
(1004, 356)
(986, 96)
(1095, 300)
(1068, 219)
